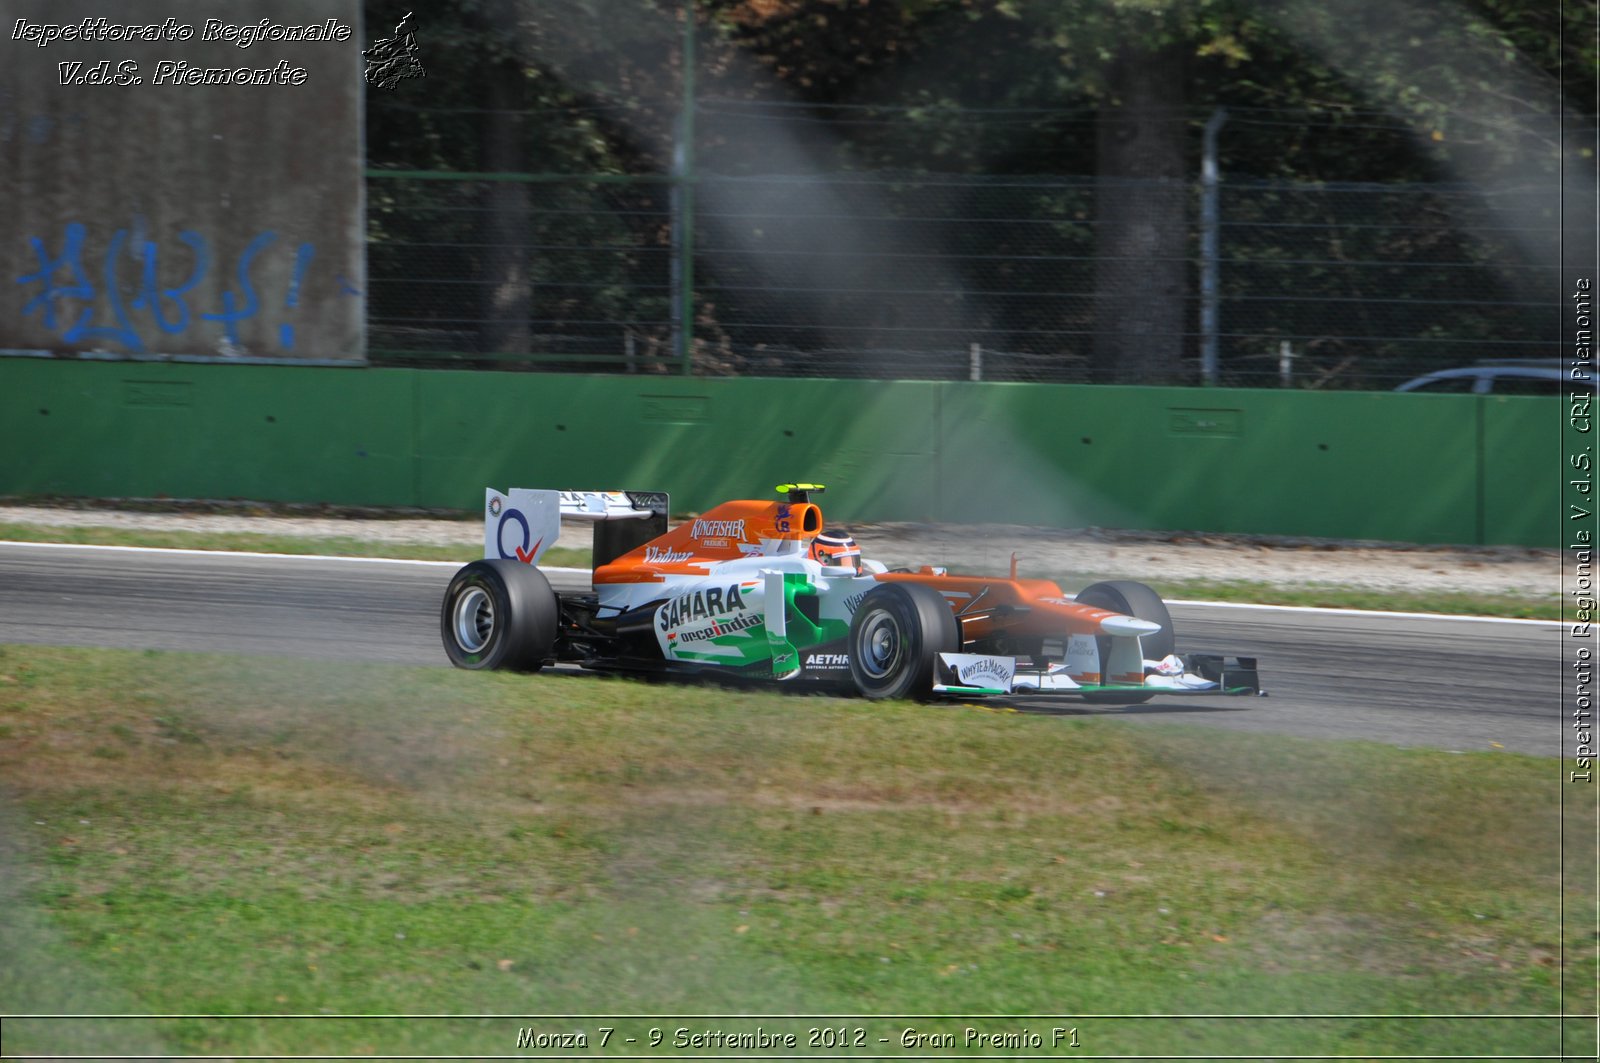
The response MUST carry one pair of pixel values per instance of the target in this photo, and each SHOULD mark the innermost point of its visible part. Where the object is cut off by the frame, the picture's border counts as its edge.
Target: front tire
(896, 635)
(1134, 599)
(499, 615)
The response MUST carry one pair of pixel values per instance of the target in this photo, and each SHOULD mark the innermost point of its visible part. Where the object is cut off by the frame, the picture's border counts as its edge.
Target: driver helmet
(836, 549)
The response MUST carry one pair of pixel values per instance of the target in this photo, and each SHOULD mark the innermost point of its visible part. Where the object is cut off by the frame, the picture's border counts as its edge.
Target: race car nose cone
(1127, 625)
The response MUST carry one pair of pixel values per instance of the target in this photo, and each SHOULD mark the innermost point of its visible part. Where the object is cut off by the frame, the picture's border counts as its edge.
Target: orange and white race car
(763, 590)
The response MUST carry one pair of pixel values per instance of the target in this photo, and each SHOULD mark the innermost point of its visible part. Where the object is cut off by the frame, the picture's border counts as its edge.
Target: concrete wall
(174, 218)
(1420, 468)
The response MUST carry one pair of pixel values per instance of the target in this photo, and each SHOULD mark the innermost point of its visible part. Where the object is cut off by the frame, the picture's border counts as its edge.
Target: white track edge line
(257, 554)
(1323, 609)
(1387, 613)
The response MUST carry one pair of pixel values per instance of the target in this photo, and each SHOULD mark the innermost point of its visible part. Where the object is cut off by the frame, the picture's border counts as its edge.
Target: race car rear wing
(523, 523)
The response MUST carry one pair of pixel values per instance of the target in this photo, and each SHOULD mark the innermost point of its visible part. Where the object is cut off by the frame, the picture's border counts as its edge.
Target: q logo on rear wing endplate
(523, 523)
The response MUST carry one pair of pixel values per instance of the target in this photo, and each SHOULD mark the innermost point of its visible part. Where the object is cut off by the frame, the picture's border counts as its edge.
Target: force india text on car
(761, 590)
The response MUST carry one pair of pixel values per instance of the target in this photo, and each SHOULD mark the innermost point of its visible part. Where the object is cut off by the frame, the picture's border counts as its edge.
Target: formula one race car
(760, 590)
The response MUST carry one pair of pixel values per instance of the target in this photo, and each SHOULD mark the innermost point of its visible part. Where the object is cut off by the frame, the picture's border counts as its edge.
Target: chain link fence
(1368, 285)
(917, 276)
(557, 273)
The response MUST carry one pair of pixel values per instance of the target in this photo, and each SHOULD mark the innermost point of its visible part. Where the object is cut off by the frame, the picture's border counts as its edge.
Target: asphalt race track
(1428, 681)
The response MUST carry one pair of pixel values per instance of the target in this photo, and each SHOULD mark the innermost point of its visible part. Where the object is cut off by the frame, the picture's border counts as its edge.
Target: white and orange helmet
(836, 549)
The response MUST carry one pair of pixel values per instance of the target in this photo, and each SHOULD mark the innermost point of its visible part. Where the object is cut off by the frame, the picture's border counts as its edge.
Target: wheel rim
(473, 619)
(880, 645)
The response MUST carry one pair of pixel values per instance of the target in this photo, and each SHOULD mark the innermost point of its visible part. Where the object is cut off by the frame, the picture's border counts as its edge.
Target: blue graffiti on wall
(113, 313)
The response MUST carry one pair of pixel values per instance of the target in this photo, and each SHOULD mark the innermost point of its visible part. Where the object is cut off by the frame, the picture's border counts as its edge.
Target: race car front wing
(976, 675)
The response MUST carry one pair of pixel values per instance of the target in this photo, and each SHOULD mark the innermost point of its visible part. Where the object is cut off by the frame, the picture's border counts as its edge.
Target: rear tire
(499, 615)
(1134, 599)
(896, 635)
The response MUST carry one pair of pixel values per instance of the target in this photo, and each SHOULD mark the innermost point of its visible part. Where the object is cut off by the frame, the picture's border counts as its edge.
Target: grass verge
(206, 834)
(1541, 607)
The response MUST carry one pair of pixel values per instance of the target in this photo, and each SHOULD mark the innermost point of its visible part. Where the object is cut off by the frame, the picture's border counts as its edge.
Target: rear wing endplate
(523, 523)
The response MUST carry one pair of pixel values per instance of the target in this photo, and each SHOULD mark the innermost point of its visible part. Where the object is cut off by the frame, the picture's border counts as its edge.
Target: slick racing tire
(896, 635)
(1140, 602)
(499, 615)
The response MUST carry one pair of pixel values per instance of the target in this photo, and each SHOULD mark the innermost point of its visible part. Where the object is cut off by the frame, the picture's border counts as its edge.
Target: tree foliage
(1360, 91)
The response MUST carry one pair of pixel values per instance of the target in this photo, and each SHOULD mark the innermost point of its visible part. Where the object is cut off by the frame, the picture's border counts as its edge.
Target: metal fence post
(682, 269)
(1209, 266)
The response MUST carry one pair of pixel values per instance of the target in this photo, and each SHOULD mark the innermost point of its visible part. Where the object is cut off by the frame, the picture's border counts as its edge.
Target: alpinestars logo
(718, 529)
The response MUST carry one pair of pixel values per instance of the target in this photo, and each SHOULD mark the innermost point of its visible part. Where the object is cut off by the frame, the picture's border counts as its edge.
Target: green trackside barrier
(1522, 460)
(703, 440)
(1358, 465)
(1417, 468)
(149, 429)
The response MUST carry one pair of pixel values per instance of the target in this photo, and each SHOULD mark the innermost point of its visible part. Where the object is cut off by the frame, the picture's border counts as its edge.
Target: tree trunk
(508, 284)
(1141, 201)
